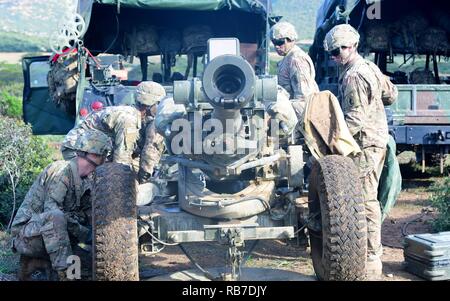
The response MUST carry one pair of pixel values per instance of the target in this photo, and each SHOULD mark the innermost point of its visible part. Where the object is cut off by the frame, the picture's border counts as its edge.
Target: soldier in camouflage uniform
(363, 90)
(296, 72)
(55, 214)
(131, 130)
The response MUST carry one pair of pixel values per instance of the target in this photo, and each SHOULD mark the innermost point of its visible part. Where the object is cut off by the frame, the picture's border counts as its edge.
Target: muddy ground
(412, 214)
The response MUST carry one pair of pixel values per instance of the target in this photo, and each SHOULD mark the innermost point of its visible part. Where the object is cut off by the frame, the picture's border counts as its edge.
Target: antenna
(266, 67)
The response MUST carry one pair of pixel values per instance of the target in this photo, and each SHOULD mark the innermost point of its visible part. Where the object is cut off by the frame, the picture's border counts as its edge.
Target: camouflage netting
(421, 76)
(63, 80)
(377, 36)
(142, 39)
(195, 37)
(433, 40)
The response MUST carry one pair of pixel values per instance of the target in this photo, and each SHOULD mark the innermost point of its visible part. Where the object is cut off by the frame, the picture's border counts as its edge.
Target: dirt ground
(411, 215)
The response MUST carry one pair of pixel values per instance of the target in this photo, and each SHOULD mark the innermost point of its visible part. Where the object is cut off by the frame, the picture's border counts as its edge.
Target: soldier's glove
(143, 177)
(284, 113)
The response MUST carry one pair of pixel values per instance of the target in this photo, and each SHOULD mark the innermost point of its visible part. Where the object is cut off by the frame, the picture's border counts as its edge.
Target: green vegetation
(22, 155)
(10, 73)
(9, 261)
(408, 64)
(16, 42)
(11, 89)
(22, 158)
(441, 201)
(301, 13)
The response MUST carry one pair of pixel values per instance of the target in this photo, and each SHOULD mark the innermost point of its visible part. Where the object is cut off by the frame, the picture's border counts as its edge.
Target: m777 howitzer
(228, 179)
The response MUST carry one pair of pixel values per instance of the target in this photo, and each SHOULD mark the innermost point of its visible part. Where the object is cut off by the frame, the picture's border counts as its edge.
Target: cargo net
(63, 80)
(411, 34)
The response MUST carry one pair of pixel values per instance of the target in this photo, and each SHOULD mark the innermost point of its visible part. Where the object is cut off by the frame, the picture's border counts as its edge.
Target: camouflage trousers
(44, 235)
(370, 164)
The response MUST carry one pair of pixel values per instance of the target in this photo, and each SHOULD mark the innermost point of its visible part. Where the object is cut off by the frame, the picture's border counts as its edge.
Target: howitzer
(232, 183)
(225, 136)
(227, 111)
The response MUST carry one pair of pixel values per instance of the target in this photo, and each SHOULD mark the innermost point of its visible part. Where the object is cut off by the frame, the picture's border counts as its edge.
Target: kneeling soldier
(55, 214)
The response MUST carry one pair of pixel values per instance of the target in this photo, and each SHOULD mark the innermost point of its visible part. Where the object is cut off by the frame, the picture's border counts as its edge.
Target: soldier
(363, 90)
(55, 214)
(296, 72)
(296, 75)
(131, 130)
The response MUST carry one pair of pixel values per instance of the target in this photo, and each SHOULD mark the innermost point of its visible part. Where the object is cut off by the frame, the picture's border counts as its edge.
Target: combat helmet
(283, 30)
(93, 142)
(340, 35)
(149, 93)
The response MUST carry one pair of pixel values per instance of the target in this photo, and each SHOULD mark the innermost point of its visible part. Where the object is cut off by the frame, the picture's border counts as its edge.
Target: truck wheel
(338, 236)
(114, 213)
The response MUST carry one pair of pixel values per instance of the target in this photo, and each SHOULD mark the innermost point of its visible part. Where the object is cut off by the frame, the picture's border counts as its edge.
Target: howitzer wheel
(114, 213)
(339, 248)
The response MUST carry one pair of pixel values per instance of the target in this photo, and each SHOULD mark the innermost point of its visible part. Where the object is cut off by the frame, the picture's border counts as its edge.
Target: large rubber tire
(339, 250)
(114, 213)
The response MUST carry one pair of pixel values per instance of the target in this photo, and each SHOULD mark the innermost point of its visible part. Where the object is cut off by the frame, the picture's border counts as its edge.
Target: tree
(22, 157)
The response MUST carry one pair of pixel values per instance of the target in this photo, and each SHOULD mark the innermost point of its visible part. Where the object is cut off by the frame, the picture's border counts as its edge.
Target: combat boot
(374, 269)
(34, 269)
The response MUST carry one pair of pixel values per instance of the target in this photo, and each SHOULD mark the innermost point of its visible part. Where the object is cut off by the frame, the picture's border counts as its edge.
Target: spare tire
(114, 213)
(339, 235)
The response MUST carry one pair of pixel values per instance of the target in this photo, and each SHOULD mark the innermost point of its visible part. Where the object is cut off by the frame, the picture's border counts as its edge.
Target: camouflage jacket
(150, 146)
(122, 124)
(58, 187)
(296, 74)
(362, 89)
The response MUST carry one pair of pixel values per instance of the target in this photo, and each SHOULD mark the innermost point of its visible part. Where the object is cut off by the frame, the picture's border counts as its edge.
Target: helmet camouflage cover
(93, 142)
(283, 30)
(340, 35)
(149, 93)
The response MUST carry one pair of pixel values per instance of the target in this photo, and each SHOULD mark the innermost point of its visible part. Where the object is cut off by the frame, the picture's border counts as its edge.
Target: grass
(17, 42)
(419, 61)
(9, 261)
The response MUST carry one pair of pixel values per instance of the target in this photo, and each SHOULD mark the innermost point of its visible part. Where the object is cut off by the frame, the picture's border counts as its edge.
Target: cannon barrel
(228, 82)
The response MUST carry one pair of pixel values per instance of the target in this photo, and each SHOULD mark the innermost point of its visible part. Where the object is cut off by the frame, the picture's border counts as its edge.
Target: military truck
(409, 41)
(250, 191)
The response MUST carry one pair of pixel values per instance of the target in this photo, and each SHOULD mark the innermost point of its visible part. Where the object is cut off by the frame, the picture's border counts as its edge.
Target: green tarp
(245, 5)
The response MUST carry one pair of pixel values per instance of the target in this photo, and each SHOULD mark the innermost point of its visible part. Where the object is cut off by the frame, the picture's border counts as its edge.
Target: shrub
(22, 158)
(440, 200)
(10, 73)
(10, 105)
